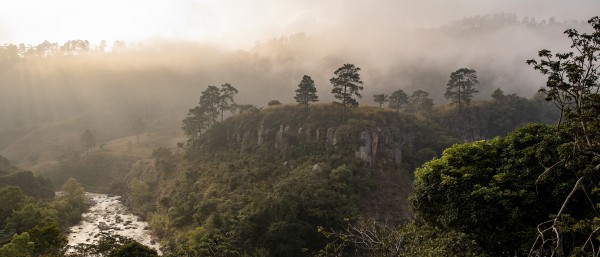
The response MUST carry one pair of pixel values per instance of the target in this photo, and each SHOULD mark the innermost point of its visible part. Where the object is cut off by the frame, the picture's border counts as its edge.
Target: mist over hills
(52, 92)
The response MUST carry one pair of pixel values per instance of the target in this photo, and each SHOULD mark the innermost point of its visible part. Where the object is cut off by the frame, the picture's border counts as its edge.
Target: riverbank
(108, 215)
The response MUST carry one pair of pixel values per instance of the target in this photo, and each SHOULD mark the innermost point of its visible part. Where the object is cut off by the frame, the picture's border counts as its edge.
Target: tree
(195, 123)
(573, 86)
(227, 92)
(273, 103)
(306, 92)
(421, 103)
(88, 140)
(209, 103)
(48, 240)
(381, 99)
(497, 191)
(461, 87)
(246, 108)
(140, 196)
(19, 246)
(398, 99)
(346, 84)
(498, 96)
(137, 128)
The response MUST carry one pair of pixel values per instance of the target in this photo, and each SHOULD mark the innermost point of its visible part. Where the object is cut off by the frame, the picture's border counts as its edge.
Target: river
(109, 215)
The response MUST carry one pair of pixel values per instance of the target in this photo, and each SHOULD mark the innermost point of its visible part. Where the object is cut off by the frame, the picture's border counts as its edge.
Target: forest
(280, 151)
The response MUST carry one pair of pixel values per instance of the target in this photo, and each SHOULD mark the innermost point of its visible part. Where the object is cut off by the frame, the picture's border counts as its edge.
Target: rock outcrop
(366, 144)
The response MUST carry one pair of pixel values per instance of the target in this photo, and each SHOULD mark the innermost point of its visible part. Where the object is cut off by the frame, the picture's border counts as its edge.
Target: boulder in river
(103, 226)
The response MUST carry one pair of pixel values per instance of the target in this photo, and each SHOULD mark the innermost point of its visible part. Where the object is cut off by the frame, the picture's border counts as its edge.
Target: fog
(48, 98)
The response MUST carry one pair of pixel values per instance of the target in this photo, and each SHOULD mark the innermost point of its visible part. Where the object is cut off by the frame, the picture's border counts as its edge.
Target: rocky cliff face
(367, 142)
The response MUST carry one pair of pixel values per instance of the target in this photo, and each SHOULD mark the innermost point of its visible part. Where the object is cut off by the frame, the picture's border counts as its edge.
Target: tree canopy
(306, 92)
(398, 100)
(381, 99)
(461, 87)
(347, 84)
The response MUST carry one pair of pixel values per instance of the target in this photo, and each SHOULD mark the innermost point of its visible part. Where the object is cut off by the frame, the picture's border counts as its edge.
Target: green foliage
(35, 225)
(420, 103)
(226, 102)
(572, 85)
(257, 198)
(346, 85)
(306, 92)
(19, 246)
(212, 102)
(461, 87)
(496, 192)
(31, 185)
(488, 119)
(48, 240)
(140, 196)
(398, 100)
(164, 160)
(97, 172)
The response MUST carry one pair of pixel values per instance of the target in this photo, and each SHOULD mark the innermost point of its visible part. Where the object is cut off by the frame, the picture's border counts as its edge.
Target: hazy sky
(242, 22)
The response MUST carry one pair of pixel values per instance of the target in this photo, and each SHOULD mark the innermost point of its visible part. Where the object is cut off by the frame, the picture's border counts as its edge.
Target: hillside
(31, 185)
(265, 181)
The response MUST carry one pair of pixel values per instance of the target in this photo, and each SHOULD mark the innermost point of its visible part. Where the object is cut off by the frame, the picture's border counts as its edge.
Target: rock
(330, 136)
(308, 134)
(398, 156)
(281, 138)
(317, 168)
(118, 219)
(364, 151)
(261, 134)
(103, 226)
(247, 138)
(374, 145)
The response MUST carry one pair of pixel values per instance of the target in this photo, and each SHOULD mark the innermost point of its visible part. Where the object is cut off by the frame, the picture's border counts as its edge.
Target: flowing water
(107, 214)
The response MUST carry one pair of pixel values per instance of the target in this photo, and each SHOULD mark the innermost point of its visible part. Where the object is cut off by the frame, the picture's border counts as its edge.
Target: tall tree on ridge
(398, 99)
(461, 87)
(381, 99)
(306, 92)
(227, 92)
(346, 84)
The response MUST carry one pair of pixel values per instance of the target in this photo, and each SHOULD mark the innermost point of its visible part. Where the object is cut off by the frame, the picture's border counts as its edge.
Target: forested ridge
(496, 175)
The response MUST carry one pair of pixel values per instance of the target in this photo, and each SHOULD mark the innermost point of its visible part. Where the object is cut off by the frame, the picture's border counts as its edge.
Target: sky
(243, 22)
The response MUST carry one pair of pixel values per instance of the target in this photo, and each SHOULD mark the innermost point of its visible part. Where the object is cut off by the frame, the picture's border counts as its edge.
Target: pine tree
(381, 99)
(347, 84)
(398, 99)
(461, 87)
(306, 92)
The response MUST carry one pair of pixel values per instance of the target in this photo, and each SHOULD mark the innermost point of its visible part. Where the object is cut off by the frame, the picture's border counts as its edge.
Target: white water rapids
(109, 215)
